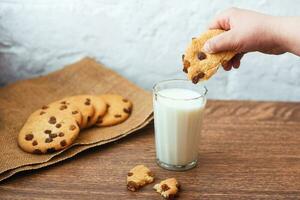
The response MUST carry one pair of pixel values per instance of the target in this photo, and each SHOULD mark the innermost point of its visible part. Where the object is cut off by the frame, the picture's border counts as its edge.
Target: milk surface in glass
(178, 114)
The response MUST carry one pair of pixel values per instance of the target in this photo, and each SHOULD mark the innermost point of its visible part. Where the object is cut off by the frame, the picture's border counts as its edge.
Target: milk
(178, 117)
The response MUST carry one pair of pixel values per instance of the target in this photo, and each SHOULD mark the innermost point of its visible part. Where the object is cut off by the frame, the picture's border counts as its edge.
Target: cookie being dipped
(200, 65)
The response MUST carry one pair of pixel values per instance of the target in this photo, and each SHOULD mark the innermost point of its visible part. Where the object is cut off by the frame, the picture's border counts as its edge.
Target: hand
(246, 31)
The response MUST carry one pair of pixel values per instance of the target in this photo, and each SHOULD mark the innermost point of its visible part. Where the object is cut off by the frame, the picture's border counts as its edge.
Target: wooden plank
(248, 150)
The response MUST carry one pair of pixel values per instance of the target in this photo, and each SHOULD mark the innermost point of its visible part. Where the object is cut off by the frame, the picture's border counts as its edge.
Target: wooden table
(249, 150)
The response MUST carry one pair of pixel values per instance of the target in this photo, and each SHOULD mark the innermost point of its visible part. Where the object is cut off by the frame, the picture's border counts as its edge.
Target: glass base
(177, 167)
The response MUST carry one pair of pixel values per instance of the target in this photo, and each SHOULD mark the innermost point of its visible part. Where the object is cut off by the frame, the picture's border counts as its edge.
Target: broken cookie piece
(139, 176)
(199, 65)
(168, 188)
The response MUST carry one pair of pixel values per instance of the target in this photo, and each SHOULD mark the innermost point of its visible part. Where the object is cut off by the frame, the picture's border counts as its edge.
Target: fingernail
(207, 47)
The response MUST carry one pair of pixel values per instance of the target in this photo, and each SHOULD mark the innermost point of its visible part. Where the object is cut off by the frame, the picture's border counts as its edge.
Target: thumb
(224, 42)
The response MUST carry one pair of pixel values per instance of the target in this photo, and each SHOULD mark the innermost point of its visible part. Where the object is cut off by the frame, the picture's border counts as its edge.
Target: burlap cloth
(19, 100)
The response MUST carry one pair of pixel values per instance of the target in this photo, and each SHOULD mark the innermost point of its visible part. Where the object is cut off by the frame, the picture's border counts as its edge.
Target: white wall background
(142, 40)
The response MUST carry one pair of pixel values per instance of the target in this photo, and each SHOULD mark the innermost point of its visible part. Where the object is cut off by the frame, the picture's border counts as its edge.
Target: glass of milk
(178, 113)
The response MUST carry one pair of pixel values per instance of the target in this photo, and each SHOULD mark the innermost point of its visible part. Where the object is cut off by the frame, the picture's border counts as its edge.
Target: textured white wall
(142, 40)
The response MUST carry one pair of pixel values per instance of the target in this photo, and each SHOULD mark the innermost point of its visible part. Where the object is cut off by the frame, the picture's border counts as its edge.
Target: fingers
(234, 62)
(227, 66)
(224, 42)
(222, 20)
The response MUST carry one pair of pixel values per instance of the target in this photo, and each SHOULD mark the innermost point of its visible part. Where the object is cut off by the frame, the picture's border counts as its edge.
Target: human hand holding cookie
(235, 32)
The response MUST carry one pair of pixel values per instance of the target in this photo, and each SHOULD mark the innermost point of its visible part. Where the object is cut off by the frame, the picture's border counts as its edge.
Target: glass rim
(179, 99)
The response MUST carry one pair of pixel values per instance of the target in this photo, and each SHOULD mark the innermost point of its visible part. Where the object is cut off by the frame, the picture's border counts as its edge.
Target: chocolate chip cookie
(168, 188)
(139, 176)
(200, 65)
(85, 107)
(49, 132)
(118, 110)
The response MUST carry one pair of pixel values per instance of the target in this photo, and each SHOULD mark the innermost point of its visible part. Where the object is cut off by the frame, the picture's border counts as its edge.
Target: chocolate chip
(129, 174)
(201, 55)
(117, 116)
(164, 187)
(51, 150)
(150, 174)
(53, 135)
(61, 134)
(52, 120)
(42, 112)
(37, 151)
(107, 105)
(48, 140)
(125, 100)
(34, 143)
(100, 120)
(182, 57)
(127, 110)
(29, 137)
(63, 107)
(196, 78)
(87, 102)
(45, 107)
(184, 70)
(63, 102)
(72, 127)
(47, 131)
(186, 65)
(74, 112)
(58, 125)
(132, 186)
(63, 143)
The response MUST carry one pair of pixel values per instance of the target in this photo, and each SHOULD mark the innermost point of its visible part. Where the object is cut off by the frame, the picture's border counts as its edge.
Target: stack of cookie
(57, 125)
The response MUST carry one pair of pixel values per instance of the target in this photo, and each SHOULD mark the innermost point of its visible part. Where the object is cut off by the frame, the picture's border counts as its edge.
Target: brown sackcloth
(19, 100)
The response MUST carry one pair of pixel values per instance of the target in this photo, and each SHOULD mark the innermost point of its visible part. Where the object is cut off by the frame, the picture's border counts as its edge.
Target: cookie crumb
(138, 177)
(168, 188)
